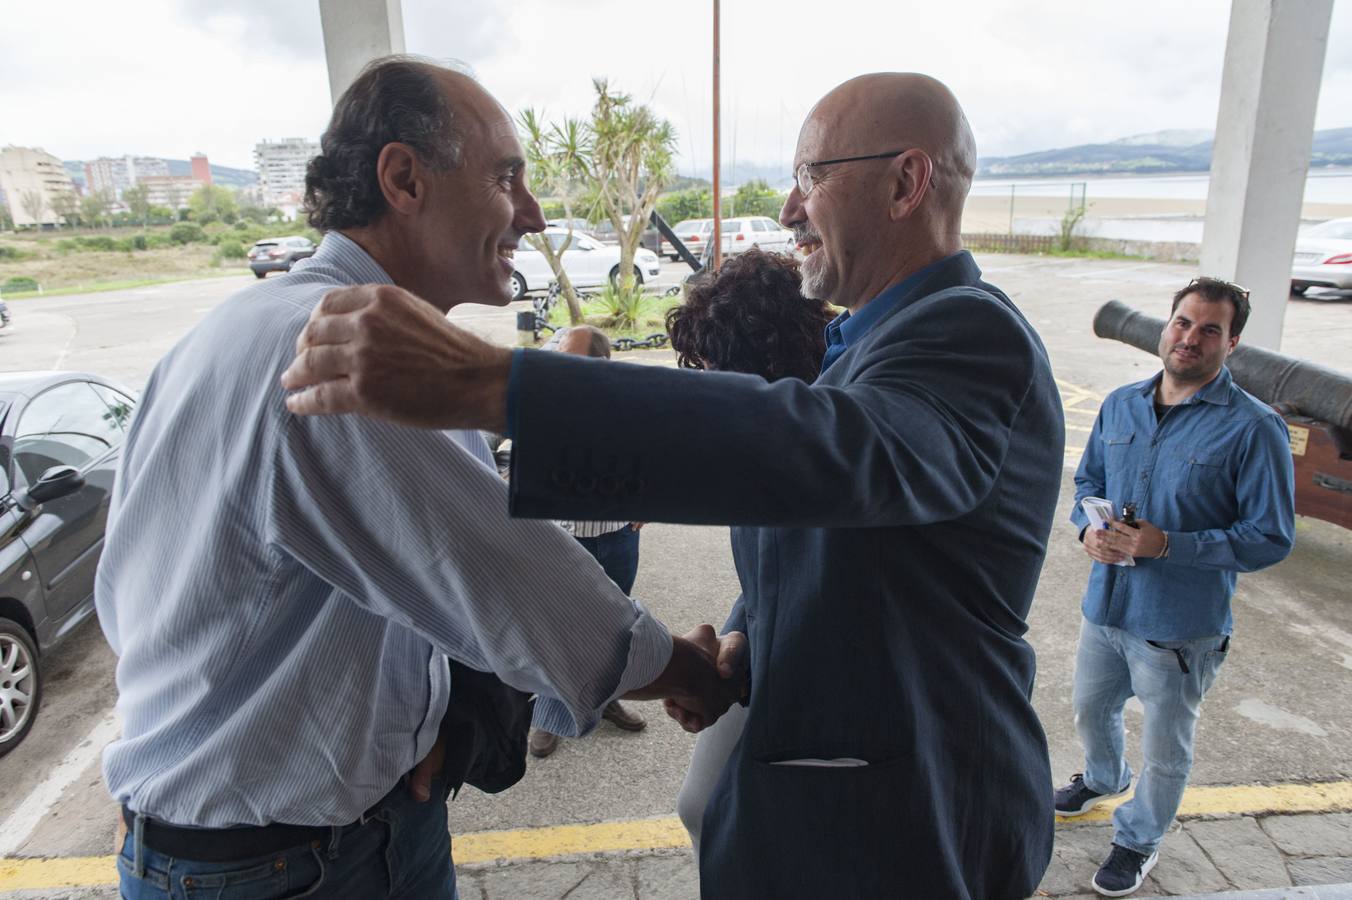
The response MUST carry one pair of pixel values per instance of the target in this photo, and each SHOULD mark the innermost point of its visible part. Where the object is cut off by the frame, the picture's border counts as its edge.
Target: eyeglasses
(803, 174)
(1205, 281)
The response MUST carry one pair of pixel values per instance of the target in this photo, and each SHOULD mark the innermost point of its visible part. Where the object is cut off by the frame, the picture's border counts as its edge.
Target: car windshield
(1338, 230)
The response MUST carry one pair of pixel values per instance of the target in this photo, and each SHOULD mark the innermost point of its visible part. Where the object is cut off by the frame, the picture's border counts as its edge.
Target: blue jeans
(402, 850)
(617, 552)
(1112, 666)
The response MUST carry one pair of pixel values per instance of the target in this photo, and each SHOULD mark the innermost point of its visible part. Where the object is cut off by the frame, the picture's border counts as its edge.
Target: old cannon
(1315, 401)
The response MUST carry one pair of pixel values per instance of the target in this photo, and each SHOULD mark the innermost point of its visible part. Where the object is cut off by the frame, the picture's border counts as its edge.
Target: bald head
(893, 110)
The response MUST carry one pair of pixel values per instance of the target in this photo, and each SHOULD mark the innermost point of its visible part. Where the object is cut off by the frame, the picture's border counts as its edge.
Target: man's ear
(399, 173)
(1234, 342)
(909, 176)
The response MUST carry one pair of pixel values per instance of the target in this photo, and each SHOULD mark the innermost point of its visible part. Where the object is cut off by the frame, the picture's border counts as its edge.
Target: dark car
(61, 434)
(4, 314)
(278, 254)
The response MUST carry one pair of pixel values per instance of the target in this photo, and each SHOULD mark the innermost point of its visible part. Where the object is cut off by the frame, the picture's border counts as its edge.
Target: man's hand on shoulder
(380, 351)
(693, 682)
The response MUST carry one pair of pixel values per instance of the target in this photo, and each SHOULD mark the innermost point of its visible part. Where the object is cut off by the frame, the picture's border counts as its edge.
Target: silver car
(1323, 257)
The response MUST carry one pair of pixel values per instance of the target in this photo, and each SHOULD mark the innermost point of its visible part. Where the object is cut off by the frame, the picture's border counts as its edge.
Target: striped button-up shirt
(280, 590)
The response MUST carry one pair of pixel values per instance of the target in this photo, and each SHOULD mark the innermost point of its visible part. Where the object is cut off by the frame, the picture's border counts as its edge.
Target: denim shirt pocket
(1202, 470)
(1116, 442)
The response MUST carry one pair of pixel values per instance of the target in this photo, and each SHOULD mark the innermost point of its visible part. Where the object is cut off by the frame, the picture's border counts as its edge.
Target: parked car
(278, 254)
(604, 231)
(1323, 257)
(4, 314)
(588, 262)
(694, 233)
(61, 434)
(739, 235)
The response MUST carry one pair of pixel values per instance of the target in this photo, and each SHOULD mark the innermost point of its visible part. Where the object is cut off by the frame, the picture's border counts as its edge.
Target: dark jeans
(403, 850)
(617, 552)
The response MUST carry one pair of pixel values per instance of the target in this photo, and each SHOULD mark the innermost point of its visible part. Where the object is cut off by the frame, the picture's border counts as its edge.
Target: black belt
(230, 844)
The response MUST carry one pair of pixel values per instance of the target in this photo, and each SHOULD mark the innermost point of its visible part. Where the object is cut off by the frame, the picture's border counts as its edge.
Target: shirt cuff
(513, 391)
(649, 652)
(1182, 547)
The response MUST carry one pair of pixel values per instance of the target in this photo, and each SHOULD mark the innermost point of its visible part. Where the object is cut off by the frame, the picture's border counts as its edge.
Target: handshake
(705, 676)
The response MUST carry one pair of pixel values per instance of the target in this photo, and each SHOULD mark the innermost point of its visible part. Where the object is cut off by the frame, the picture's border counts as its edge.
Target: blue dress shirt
(1215, 474)
(282, 591)
(847, 328)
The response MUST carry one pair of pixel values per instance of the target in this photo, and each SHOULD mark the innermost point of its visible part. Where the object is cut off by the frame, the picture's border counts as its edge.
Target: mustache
(802, 233)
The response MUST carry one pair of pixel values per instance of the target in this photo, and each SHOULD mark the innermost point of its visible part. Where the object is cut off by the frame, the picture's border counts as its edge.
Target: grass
(120, 285)
(652, 318)
(64, 273)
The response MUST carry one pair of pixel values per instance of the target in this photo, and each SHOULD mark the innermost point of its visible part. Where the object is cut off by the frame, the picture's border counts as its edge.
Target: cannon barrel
(1314, 390)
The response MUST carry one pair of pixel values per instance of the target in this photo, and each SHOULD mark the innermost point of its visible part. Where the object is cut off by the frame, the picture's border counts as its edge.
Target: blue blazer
(897, 514)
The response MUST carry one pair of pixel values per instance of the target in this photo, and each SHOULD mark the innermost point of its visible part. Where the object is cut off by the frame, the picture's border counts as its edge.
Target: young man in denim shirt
(1208, 468)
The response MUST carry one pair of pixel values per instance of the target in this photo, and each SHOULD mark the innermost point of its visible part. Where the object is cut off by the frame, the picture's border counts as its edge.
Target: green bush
(18, 284)
(232, 250)
(623, 307)
(139, 242)
(98, 242)
(187, 233)
(241, 225)
(11, 253)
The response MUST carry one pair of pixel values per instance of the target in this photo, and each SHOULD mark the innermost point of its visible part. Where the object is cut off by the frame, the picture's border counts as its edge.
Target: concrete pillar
(356, 32)
(1274, 59)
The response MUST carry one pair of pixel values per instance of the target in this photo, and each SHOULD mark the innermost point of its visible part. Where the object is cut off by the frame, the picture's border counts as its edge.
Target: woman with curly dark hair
(751, 316)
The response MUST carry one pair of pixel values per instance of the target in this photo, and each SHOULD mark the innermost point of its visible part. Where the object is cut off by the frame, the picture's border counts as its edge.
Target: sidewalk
(1272, 856)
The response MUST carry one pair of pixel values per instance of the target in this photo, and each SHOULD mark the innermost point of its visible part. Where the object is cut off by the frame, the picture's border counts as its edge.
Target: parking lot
(1278, 716)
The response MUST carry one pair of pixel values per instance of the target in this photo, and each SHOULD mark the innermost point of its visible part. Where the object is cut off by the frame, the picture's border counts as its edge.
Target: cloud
(175, 76)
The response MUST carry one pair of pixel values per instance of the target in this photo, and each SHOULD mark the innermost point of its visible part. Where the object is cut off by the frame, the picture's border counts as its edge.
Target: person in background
(1208, 469)
(613, 544)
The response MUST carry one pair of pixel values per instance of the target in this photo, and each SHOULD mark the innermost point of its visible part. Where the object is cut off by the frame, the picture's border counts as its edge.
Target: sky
(88, 78)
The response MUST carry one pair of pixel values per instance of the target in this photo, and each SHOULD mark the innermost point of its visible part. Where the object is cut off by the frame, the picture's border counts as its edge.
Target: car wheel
(518, 286)
(258, 274)
(20, 684)
(615, 277)
(1299, 289)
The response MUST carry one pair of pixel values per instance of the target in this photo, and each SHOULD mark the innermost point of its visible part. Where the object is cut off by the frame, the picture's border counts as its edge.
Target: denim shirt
(1216, 476)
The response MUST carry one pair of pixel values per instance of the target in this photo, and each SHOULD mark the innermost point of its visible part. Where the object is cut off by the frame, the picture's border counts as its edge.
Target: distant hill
(222, 175)
(1159, 153)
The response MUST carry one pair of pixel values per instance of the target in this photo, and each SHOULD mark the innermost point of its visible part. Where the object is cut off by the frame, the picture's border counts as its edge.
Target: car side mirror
(56, 482)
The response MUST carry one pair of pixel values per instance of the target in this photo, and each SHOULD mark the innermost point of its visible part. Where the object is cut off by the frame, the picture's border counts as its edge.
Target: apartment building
(281, 168)
(31, 178)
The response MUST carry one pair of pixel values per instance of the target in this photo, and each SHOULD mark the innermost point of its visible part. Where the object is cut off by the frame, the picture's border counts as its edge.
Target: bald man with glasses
(892, 516)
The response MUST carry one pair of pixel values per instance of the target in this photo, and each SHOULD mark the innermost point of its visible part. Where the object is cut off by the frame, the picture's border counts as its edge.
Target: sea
(1331, 185)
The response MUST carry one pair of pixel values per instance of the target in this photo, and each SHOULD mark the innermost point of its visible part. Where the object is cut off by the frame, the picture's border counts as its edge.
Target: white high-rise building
(281, 168)
(113, 175)
(31, 178)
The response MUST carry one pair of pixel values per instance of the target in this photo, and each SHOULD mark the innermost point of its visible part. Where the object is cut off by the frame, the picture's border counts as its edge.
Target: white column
(356, 32)
(1274, 60)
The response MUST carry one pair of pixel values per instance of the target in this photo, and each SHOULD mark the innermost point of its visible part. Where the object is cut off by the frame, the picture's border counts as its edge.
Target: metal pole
(718, 206)
(1011, 209)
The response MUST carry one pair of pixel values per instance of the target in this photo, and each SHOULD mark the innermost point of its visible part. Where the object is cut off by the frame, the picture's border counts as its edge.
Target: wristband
(1165, 551)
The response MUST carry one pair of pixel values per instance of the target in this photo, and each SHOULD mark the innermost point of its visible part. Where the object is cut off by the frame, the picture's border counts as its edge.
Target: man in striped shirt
(283, 593)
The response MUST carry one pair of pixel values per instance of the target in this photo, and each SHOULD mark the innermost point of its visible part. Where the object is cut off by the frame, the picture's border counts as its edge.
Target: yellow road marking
(667, 833)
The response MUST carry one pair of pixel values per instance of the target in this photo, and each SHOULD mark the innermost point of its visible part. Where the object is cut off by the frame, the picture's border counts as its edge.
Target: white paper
(1100, 514)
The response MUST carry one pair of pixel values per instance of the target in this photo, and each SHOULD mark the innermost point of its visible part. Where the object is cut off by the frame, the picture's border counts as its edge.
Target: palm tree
(559, 157)
(632, 151)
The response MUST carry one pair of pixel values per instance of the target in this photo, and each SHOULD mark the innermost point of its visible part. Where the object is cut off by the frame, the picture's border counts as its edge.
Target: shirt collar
(1216, 391)
(847, 328)
(347, 256)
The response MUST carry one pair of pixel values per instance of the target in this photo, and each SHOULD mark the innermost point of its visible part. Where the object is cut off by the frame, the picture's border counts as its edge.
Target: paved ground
(1277, 716)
